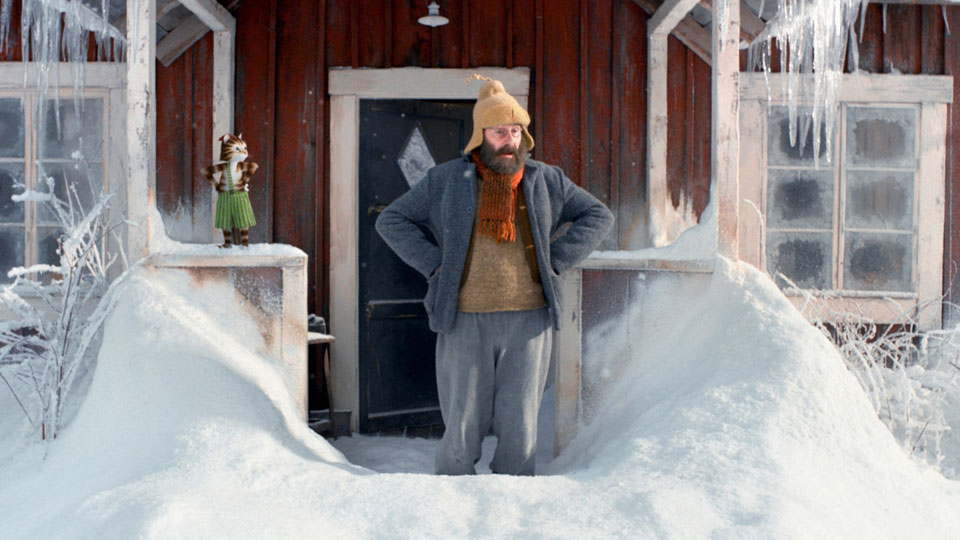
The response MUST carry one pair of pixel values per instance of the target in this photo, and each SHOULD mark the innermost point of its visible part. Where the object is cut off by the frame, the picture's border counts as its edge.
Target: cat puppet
(234, 213)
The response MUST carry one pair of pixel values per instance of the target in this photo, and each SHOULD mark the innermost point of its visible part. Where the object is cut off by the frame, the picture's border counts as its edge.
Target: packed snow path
(738, 421)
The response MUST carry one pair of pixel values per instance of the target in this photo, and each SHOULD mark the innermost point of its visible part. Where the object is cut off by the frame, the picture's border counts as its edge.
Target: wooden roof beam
(212, 14)
(750, 24)
(688, 31)
(667, 16)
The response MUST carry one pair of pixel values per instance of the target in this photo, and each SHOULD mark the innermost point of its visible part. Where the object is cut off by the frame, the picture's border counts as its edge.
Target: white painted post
(141, 125)
(657, 194)
(568, 345)
(659, 205)
(223, 100)
(725, 150)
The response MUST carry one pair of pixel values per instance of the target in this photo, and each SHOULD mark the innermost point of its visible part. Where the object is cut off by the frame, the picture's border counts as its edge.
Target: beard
(496, 162)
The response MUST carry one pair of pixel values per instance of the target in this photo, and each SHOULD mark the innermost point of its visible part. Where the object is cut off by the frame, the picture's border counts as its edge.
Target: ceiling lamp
(433, 17)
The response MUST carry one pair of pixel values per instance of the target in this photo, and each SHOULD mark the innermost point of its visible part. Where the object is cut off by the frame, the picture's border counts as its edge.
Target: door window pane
(800, 199)
(47, 245)
(881, 137)
(878, 262)
(11, 250)
(779, 149)
(806, 258)
(880, 200)
(10, 210)
(11, 128)
(85, 178)
(83, 132)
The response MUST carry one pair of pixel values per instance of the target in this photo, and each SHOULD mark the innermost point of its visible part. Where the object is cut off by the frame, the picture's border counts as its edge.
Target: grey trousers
(492, 369)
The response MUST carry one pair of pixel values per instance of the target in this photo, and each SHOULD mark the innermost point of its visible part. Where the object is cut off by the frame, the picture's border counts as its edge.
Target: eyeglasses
(502, 132)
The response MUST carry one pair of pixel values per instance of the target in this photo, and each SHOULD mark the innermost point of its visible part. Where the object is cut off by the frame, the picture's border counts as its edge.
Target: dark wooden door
(399, 141)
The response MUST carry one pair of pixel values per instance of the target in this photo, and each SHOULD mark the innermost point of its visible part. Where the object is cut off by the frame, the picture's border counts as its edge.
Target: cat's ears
(225, 135)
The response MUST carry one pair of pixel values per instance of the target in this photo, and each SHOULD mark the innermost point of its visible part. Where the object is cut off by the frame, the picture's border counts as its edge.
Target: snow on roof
(738, 420)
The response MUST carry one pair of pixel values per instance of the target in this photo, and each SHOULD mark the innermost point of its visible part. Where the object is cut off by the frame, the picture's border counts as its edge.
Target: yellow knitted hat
(496, 107)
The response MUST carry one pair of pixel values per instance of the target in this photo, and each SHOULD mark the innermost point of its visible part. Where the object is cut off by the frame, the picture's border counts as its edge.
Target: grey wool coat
(444, 203)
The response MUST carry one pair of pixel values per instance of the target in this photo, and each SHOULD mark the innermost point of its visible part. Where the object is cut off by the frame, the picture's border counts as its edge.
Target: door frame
(347, 87)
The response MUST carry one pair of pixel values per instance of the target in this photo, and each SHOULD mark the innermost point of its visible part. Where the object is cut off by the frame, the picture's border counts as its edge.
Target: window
(866, 224)
(73, 155)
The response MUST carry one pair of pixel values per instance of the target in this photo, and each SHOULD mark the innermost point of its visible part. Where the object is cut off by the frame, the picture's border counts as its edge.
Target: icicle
(884, 19)
(813, 37)
(943, 12)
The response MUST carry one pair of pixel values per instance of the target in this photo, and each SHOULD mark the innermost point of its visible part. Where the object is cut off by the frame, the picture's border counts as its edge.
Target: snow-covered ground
(738, 420)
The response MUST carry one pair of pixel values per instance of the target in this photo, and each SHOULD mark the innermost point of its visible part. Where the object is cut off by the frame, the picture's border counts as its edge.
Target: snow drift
(738, 420)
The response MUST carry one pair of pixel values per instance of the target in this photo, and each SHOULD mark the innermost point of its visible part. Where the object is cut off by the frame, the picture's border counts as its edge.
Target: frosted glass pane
(87, 180)
(11, 250)
(779, 150)
(880, 200)
(881, 137)
(10, 211)
(804, 257)
(11, 128)
(415, 159)
(83, 132)
(800, 199)
(47, 246)
(878, 262)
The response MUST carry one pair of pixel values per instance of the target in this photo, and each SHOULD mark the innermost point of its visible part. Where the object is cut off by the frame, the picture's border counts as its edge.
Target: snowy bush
(912, 378)
(57, 309)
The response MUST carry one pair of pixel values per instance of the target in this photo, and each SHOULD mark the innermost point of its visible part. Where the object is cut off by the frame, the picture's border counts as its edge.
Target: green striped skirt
(234, 211)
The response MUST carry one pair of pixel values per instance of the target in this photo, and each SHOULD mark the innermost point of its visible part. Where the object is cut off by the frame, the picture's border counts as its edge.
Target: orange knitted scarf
(498, 202)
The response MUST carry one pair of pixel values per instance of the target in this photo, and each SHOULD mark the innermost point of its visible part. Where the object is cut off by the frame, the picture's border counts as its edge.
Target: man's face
(503, 149)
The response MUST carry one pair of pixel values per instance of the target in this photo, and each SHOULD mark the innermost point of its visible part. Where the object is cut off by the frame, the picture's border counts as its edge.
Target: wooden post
(141, 123)
(658, 196)
(725, 150)
(223, 98)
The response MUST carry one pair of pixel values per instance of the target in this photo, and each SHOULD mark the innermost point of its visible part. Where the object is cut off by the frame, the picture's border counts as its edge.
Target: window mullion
(30, 179)
(840, 171)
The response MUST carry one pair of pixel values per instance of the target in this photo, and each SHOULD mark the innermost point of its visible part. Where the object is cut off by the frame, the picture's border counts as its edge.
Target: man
(493, 277)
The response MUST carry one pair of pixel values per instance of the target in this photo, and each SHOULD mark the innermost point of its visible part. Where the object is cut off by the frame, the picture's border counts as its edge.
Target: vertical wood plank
(538, 112)
(295, 193)
(141, 123)
(901, 45)
(344, 310)
(321, 270)
(584, 72)
(338, 39)
(524, 33)
(255, 98)
(371, 33)
(412, 41)
(631, 210)
(871, 40)
(561, 92)
(931, 40)
(725, 131)
(698, 155)
(951, 260)
(451, 36)
(752, 131)
(175, 137)
(487, 33)
(677, 121)
(616, 86)
(599, 123)
(930, 189)
(658, 196)
(222, 72)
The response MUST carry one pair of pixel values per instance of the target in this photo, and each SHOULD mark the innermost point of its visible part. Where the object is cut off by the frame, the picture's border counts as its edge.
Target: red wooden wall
(588, 80)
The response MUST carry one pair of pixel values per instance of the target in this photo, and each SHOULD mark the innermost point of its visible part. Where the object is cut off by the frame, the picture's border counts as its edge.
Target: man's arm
(399, 223)
(589, 222)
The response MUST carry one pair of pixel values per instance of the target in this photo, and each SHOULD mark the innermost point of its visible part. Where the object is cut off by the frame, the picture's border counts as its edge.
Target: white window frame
(929, 94)
(103, 81)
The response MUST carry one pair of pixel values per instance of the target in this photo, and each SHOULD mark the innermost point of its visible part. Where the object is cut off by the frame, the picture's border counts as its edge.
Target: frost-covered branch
(59, 309)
